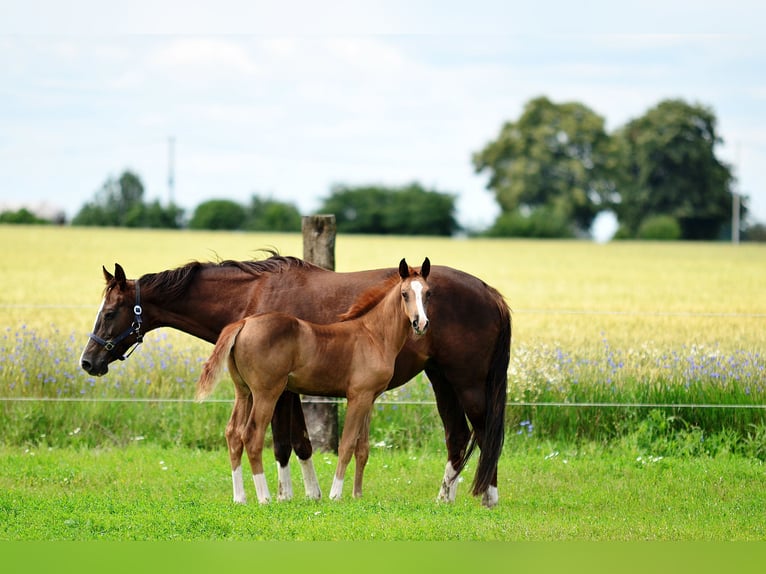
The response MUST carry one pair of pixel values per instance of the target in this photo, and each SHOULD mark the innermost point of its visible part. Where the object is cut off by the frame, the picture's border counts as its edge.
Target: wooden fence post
(319, 248)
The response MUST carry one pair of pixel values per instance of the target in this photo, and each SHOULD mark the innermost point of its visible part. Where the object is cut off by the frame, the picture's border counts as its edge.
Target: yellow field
(568, 293)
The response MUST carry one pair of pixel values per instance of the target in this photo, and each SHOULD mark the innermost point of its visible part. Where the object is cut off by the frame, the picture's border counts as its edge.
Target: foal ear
(425, 269)
(404, 269)
(119, 276)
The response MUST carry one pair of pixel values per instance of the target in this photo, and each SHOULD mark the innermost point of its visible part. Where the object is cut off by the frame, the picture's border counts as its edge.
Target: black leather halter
(134, 329)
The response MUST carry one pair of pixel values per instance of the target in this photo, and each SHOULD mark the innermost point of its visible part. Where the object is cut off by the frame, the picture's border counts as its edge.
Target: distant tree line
(552, 172)
(407, 210)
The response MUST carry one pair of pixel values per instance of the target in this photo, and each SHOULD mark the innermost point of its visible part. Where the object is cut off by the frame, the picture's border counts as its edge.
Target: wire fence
(563, 404)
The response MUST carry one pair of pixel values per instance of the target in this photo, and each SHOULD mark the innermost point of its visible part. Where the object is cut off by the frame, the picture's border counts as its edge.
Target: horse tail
(496, 389)
(213, 369)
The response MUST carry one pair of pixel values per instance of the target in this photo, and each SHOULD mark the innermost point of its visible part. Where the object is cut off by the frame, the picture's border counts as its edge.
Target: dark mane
(174, 283)
(369, 299)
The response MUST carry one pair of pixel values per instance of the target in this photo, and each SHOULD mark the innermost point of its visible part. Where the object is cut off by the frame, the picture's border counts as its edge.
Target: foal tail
(213, 369)
(496, 390)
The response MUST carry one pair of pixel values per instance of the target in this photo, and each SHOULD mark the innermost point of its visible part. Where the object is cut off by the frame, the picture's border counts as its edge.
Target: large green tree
(669, 167)
(407, 210)
(557, 158)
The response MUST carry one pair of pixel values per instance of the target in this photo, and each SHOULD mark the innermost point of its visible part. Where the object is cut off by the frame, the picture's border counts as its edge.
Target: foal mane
(174, 283)
(369, 298)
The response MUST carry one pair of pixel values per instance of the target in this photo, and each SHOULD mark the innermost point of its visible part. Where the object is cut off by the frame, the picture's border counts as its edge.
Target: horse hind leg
(456, 432)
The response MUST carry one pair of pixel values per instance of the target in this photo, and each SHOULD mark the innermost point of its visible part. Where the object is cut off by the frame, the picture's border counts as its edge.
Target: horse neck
(205, 308)
(388, 321)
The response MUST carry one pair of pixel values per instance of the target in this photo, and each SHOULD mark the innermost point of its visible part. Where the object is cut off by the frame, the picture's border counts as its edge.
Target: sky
(286, 99)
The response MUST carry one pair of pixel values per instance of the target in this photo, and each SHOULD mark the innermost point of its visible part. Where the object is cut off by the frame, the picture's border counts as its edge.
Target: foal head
(117, 326)
(415, 294)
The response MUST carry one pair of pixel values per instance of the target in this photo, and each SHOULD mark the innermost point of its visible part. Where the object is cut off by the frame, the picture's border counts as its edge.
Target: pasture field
(641, 324)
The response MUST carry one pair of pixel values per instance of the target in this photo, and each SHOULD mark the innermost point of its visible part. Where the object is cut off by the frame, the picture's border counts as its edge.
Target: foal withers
(353, 358)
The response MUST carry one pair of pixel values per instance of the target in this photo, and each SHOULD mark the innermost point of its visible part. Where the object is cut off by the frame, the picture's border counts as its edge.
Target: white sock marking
(239, 486)
(490, 498)
(310, 482)
(337, 488)
(284, 483)
(261, 488)
(448, 490)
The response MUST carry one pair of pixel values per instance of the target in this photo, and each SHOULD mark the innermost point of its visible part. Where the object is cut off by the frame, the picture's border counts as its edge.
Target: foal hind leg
(243, 402)
(253, 438)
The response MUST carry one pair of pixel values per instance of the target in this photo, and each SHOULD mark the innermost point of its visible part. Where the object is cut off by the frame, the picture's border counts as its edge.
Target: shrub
(218, 214)
(659, 227)
(542, 222)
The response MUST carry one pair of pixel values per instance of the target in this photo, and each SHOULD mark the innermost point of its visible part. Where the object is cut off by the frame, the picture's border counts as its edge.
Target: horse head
(118, 324)
(415, 294)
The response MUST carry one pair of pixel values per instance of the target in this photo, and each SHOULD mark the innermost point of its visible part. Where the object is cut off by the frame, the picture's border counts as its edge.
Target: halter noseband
(134, 329)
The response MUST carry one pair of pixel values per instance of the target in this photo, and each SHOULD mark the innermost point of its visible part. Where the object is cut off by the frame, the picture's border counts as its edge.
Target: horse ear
(119, 275)
(108, 276)
(425, 269)
(404, 269)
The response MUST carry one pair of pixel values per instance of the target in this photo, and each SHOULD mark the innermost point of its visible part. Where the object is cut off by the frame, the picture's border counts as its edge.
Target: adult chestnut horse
(465, 353)
(354, 358)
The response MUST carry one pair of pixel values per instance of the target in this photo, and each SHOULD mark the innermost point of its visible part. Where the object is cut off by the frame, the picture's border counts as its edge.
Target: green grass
(548, 493)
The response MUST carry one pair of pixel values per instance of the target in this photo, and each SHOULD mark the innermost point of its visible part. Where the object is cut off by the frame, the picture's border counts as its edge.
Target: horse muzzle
(420, 326)
(97, 369)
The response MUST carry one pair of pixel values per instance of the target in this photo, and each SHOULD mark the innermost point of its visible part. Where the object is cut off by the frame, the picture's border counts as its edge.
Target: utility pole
(735, 204)
(171, 169)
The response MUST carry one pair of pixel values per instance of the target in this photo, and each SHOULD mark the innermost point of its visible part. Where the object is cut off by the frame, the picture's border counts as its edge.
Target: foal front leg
(356, 415)
(361, 454)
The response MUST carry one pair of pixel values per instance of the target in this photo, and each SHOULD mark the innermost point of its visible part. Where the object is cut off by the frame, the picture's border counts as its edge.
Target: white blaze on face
(417, 287)
(95, 322)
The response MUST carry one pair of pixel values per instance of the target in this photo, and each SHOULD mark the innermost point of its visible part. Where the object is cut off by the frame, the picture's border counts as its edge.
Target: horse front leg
(243, 402)
(281, 434)
(299, 437)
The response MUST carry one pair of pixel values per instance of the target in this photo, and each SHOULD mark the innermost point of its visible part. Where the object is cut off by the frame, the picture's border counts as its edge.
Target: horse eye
(406, 296)
(109, 315)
